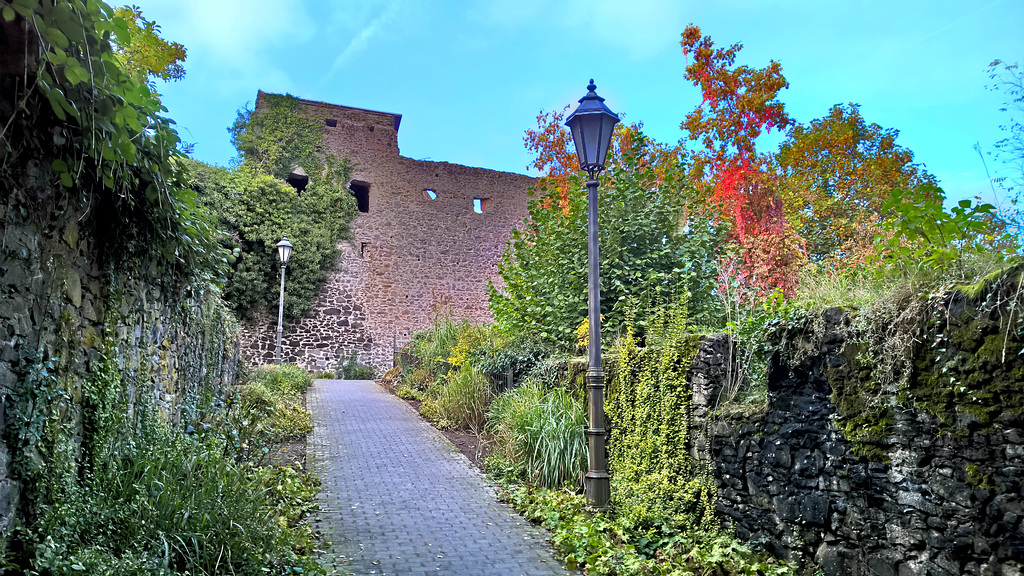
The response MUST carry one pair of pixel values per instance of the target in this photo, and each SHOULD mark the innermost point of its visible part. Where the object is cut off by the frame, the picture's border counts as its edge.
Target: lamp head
(591, 124)
(284, 250)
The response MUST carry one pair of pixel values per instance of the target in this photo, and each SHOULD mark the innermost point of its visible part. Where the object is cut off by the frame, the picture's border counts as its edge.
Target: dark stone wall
(63, 298)
(947, 501)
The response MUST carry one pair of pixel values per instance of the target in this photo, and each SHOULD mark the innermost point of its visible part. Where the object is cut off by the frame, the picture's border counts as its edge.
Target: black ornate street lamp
(591, 125)
(284, 252)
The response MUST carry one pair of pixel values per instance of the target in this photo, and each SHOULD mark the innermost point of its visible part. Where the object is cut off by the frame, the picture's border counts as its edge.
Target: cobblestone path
(399, 499)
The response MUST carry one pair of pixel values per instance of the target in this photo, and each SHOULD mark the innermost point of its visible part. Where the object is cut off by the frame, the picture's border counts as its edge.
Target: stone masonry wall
(63, 302)
(411, 256)
(943, 502)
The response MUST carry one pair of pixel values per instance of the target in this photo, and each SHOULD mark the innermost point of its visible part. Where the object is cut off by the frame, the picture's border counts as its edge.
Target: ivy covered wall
(65, 309)
(889, 447)
(107, 264)
(893, 446)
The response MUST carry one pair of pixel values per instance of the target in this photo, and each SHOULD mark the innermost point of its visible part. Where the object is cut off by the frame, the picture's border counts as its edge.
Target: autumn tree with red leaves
(739, 103)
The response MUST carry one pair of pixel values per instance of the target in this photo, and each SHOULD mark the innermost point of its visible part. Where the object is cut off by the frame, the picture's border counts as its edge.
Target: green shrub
(460, 401)
(174, 504)
(539, 436)
(350, 368)
(406, 393)
(419, 380)
(605, 544)
(267, 409)
(518, 355)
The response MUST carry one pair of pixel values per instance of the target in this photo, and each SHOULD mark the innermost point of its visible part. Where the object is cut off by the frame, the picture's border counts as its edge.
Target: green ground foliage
(127, 494)
(267, 410)
(607, 544)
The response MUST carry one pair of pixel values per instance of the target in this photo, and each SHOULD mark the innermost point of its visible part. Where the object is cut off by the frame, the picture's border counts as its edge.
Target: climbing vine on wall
(256, 208)
(657, 483)
(73, 117)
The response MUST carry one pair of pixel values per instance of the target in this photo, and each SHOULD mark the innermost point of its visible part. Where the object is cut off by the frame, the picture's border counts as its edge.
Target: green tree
(836, 174)
(141, 50)
(653, 250)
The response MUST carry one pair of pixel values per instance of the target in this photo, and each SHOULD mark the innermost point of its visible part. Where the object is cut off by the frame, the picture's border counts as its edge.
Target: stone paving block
(398, 499)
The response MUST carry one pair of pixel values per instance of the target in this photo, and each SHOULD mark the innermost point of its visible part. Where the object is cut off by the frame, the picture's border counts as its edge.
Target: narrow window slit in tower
(361, 191)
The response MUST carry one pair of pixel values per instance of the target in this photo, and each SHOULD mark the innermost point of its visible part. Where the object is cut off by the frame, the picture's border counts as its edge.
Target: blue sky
(469, 76)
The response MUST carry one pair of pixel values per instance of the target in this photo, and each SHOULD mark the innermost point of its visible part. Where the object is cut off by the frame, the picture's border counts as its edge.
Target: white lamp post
(284, 252)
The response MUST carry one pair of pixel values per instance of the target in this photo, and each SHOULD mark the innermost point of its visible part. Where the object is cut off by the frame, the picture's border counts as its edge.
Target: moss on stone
(968, 365)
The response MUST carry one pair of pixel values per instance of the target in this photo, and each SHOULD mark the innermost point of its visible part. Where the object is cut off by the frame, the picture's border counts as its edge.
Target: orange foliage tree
(836, 174)
(739, 103)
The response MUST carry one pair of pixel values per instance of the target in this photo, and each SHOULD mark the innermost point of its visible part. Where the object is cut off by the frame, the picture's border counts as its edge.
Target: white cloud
(235, 33)
(361, 39)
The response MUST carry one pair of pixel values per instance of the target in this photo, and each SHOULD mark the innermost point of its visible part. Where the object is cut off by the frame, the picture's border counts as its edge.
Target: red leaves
(738, 104)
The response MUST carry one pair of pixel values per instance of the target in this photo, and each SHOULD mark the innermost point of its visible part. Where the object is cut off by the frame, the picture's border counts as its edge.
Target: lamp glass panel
(284, 252)
(605, 138)
(590, 125)
(577, 139)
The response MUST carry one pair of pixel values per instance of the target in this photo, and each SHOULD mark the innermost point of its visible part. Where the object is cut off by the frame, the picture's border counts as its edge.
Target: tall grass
(539, 435)
(170, 503)
(434, 346)
(459, 401)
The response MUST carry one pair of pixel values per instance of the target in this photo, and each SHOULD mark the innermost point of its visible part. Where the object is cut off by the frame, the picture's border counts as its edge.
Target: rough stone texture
(60, 299)
(398, 498)
(410, 257)
(790, 482)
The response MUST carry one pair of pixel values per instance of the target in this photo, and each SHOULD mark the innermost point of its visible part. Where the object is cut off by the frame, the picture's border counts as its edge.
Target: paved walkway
(399, 499)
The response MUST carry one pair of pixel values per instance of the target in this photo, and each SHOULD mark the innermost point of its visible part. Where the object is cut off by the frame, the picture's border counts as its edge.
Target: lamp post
(284, 252)
(591, 125)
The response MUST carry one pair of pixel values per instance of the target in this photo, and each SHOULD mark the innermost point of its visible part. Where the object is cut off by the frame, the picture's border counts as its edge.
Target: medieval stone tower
(428, 236)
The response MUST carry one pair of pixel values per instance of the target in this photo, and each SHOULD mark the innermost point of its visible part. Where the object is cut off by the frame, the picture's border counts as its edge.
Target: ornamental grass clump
(460, 401)
(539, 437)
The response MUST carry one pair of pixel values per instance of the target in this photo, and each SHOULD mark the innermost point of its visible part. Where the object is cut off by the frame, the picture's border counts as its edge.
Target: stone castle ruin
(427, 238)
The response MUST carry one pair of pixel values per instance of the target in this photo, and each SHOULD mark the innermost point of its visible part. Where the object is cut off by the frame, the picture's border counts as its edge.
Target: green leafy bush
(433, 347)
(606, 544)
(419, 380)
(655, 247)
(519, 355)
(268, 409)
(350, 368)
(538, 436)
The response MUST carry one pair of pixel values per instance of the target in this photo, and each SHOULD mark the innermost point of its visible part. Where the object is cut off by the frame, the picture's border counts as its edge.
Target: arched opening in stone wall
(479, 205)
(361, 190)
(429, 194)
